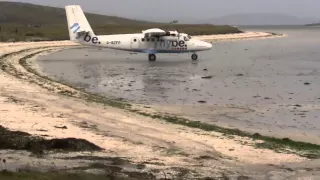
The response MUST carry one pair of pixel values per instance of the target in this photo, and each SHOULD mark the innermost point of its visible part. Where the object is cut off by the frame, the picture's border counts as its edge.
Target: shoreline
(239, 36)
(122, 133)
(213, 38)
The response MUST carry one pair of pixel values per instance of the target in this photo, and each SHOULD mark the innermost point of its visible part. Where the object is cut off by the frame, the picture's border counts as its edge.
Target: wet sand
(268, 86)
(30, 108)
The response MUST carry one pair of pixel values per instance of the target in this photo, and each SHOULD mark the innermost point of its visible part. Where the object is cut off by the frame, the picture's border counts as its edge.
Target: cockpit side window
(189, 36)
(186, 38)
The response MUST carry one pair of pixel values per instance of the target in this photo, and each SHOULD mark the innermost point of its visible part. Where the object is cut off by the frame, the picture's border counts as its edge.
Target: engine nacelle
(170, 38)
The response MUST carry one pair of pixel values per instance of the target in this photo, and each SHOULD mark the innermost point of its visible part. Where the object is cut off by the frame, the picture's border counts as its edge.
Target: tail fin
(78, 24)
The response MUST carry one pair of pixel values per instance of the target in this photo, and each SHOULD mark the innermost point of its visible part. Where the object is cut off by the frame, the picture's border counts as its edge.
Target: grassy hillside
(25, 13)
(314, 24)
(29, 22)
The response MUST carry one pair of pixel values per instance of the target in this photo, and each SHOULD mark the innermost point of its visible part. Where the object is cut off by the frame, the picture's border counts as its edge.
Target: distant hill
(313, 24)
(30, 22)
(26, 13)
(260, 19)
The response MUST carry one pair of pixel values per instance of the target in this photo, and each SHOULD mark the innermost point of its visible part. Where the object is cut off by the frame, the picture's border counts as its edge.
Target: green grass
(285, 145)
(32, 14)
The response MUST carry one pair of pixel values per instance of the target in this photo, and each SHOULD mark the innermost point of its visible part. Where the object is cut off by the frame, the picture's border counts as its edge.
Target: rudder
(78, 24)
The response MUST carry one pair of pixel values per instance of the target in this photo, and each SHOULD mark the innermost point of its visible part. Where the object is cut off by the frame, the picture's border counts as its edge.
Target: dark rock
(207, 77)
(3, 67)
(42, 130)
(61, 127)
(206, 157)
(256, 135)
(141, 166)
(70, 144)
(243, 178)
(17, 140)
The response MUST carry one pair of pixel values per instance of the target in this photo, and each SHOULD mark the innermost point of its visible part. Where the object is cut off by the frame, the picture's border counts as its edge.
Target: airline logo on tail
(75, 27)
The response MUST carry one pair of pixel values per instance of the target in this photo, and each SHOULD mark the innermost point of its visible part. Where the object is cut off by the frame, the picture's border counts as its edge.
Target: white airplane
(150, 41)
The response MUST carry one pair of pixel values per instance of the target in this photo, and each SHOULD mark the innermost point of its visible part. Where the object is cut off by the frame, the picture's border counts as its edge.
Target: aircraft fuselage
(151, 41)
(140, 43)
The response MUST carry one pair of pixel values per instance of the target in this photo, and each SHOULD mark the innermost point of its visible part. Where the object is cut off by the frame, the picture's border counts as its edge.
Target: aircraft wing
(155, 32)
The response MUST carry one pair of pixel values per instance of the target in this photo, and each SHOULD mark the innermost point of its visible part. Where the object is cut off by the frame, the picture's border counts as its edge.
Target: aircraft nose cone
(202, 45)
(208, 45)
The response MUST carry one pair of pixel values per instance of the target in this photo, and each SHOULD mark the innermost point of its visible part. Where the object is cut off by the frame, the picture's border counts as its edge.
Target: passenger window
(148, 39)
(142, 39)
(135, 40)
(152, 40)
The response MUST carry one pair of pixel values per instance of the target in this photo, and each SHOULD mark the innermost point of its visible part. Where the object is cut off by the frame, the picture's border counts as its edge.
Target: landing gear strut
(152, 57)
(194, 57)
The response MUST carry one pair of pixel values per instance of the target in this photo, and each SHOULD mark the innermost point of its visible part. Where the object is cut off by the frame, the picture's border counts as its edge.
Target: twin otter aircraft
(150, 41)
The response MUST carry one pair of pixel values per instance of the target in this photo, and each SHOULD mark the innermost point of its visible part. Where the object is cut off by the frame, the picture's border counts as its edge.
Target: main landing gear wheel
(152, 57)
(194, 57)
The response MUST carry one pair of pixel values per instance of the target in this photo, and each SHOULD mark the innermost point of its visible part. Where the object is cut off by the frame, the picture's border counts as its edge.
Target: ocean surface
(278, 79)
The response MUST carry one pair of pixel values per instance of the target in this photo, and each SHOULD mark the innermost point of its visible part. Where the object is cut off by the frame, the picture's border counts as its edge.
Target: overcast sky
(196, 9)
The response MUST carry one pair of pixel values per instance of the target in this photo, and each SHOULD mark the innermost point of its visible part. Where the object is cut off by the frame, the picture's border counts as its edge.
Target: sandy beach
(39, 110)
(240, 36)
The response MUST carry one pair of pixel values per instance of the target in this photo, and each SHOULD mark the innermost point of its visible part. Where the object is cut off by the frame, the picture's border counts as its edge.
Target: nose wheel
(152, 57)
(194, 57)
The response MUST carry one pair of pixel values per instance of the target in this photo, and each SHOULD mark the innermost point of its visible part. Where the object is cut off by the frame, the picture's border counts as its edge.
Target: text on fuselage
(173, 44)
(113, 42)
(94, 40)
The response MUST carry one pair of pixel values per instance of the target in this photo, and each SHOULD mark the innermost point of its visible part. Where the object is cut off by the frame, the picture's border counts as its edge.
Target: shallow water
(267, 75)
